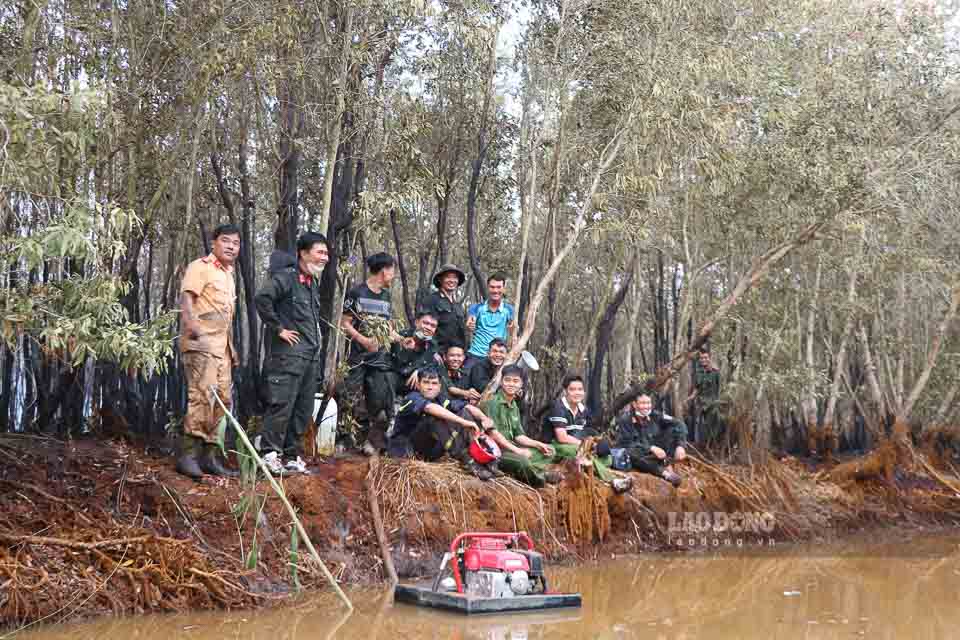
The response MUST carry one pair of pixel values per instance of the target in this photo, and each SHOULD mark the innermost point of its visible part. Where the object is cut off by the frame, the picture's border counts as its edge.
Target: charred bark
(602, 343)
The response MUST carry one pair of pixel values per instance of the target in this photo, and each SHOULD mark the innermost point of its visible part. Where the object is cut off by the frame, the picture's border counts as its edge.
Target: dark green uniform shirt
(707, 384)
(506, 416)
(451, 320)
(291, 300)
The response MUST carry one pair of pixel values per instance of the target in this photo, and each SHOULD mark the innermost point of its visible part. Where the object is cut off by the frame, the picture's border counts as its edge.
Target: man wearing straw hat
(442, 305)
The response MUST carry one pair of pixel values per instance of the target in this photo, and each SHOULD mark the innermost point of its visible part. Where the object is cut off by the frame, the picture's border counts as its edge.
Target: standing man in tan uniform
(207, 302)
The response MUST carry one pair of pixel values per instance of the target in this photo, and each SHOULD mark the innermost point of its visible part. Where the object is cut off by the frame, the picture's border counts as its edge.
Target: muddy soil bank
(92, 527)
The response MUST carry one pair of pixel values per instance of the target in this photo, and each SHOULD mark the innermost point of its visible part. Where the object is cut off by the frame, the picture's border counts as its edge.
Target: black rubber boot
(187, 465)
(494, 470)
(476, 470)
(672, 477)
(210, 463)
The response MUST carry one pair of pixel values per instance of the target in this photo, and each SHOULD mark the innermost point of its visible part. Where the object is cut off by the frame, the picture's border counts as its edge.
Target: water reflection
(879, 591)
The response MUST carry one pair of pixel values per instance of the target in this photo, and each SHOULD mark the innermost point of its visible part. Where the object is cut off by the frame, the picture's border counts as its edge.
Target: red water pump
(495, 565)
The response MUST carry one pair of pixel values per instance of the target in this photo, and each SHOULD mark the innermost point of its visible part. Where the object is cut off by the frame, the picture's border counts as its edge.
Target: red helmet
(484, 450)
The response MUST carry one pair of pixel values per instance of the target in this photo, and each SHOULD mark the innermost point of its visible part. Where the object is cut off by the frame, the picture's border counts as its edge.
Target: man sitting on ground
(415, 351)
(568, 422)
(521, 456)
(452, 376)
(484, 371)
(651, 439)
(430, 425)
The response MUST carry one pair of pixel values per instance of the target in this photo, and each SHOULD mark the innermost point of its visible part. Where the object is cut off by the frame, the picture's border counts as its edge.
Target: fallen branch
(40, 492)
(73, 544)
(226, 583)
(761, 266)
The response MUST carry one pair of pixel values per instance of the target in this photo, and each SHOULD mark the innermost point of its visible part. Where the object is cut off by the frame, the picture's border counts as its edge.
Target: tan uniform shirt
(216, 297)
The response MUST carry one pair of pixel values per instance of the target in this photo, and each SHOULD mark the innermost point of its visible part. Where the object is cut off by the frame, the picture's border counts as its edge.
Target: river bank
(101, 527)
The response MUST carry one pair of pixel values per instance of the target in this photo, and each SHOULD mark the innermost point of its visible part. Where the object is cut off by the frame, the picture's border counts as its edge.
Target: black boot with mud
(476, 470)
(672, 477)
(187, 465)
(494, 470)
(210, 463)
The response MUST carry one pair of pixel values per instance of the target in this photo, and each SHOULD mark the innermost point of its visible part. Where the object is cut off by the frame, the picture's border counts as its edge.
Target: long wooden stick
(388, 565)
(283, 498)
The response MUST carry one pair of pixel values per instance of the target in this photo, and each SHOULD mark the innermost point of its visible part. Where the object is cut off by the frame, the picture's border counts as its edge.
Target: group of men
(420, 392)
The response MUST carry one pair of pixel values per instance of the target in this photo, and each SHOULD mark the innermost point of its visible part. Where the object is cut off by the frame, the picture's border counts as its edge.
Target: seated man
(415, 351)
(484, 371)
(568, 423)
(452, 376)
(521, 456)
(652, 439)
(430, 425)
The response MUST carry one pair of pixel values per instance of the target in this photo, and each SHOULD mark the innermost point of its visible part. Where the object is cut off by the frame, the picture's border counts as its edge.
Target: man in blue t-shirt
(492, 318)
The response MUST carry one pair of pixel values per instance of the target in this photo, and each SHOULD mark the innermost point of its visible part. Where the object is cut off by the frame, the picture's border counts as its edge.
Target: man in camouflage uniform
(289, 305)
(706, 395)
(207, 302)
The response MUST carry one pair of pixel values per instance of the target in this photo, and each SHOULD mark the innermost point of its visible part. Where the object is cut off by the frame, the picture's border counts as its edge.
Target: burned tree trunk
(602, 343)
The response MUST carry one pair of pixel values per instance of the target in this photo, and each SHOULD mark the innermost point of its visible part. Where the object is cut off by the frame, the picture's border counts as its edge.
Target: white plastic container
(326, 426)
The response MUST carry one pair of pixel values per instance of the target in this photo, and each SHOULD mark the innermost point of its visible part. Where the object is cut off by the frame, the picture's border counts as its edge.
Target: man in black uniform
(451, 318)
(652, 439)
(416, 351)
(484, 371)
(289, 306)
(367, 315)
(454, 380)
(430, 425)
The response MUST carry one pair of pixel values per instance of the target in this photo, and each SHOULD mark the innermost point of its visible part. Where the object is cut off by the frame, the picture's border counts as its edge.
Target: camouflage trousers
(202, 371)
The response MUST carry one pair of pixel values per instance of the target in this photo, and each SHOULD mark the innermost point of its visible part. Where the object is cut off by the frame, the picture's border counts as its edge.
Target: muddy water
(891, 590)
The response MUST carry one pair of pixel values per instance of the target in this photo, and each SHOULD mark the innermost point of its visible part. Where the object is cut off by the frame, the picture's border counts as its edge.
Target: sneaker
(273, 463)
(297, 466)
(553, 477)
(368, 449)
(621, 485)
(672, 477)
(495, 470)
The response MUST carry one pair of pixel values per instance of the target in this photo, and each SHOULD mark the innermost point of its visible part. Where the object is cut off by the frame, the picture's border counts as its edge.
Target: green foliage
(295, 558)
(75, 311)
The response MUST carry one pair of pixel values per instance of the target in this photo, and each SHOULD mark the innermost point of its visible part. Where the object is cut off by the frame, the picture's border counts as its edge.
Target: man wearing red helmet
(429, 425)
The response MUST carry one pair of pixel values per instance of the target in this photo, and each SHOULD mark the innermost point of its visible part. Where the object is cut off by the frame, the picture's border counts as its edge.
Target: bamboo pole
(283, 498)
